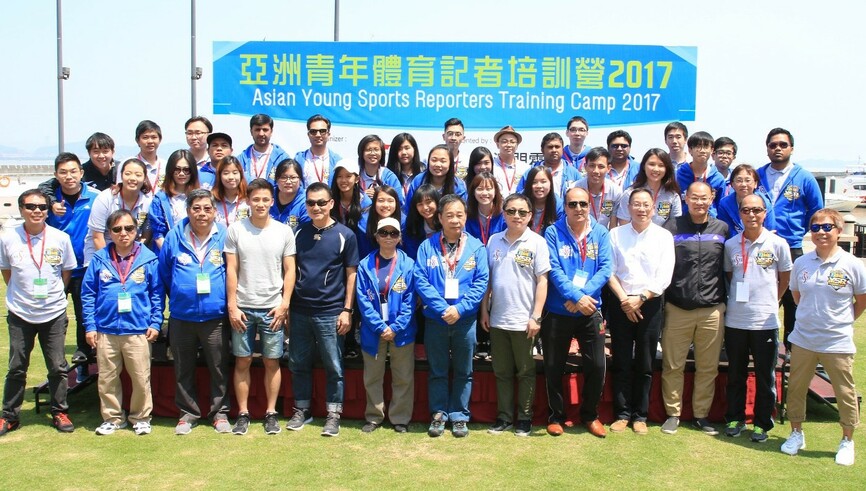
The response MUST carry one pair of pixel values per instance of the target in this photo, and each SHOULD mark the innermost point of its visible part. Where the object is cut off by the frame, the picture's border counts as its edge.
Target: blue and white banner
(487, 85)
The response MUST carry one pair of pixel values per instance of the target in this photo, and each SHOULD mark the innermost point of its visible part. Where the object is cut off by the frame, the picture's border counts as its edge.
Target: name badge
(742, 291)
(384, 303)
(580, 279)
(40, 287)
(124, 303)
(202, 283)
(452, 289)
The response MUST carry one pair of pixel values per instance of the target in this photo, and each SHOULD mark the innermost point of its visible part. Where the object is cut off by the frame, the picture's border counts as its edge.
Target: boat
(14, 180)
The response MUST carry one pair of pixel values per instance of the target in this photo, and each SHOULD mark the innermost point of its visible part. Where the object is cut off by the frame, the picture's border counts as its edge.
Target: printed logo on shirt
(105, 275)
(461, 172)
(792, 192)
(470, 264)
(591, 250)
(433, 262)
(838, 279)
(607, 207)
(52, 256)
(765, 258)
(370, 295)
(159, 182)
(400, 285)
(293, 221)
(565, 251)
(663, 209)
(272, 176)
(216, 258)
(184, 259)
(497, 255)
(142, 216)
(524, 257)
(138, 275)
(243, 213)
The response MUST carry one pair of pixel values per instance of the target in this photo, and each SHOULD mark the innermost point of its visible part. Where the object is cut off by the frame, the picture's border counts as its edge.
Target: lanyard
(745, 258)
(123, 201)
(320, 176)
(618, 180)
(703, 177)
(455, 254)
(115, 260)
(375, 179)
(195, 250)
(41, 254)
(509, 181)
(387, 278)
(540, 221)
(485, 231)
(582, 247)
(265, 157)
(600, 203)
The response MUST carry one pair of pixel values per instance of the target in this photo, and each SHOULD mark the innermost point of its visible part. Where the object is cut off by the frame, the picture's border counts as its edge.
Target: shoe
(794, 443)
(523, 427)
(437, 425)
(352, 354)
(183, 428)
(845, 454)
(735, 428)
(332, 424)
(79, 357)
(107, 428)
(82, 373)
(459, 429)
(640, 428)
(299, 418)
(272, 425)
(7, 425)
(242, 424)
(222, 425)
(619, 425)
(141, 428)
(705, 426)
(554, 429)
(670, 425)
(596, 429)
(401, 428)
(62, 422)
(370, 427)
(759, 435)
(499, 426)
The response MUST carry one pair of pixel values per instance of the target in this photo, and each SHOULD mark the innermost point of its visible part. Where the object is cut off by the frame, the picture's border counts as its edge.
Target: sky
(760, 64)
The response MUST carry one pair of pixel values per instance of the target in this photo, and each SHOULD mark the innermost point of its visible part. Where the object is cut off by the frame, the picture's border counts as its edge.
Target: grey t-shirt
(767, 256)
(260, 253)
(513, 271)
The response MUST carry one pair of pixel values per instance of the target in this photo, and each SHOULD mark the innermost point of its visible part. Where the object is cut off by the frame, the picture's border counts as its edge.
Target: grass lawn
(38, 457)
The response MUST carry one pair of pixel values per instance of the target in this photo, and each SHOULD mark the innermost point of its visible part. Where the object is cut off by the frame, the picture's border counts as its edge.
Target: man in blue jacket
(796, 196)
(261, 158)
(193, 274)
(317, 161)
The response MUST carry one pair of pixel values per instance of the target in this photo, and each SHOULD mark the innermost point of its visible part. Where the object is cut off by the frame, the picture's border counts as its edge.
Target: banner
(487, 85)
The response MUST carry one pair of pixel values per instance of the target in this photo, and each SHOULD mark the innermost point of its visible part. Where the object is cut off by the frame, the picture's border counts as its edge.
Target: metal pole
(60, 78)
(336, 20)
(193, 74)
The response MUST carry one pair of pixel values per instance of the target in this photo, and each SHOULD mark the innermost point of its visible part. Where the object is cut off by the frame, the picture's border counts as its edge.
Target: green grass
(37, 457)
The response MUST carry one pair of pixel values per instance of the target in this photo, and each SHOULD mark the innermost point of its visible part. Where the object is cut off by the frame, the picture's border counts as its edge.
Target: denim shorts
(258, 322)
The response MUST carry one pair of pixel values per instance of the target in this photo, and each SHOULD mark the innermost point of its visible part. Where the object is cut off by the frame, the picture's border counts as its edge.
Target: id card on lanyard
(452, 284)
(124, 299)
(580, 276)
(383, 292)
(743, 284)
(40, 284)
(202, 279)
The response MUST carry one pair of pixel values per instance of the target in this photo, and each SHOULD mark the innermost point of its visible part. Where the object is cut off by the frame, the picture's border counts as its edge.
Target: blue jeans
(307, 333)
(450, 345)
(258, 321)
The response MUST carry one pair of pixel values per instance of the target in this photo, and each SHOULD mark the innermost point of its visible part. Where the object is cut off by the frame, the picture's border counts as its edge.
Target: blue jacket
(294, 214)
(471, 272)
(387, 178)
(101, 287)
(333, 158)
(799, 199)
(401, 302)
(729, 212)
(207, 175)
(160, 217)
(565, 261)
(497, 224)
(277, 155)
(420, 179)
(685, 178)
(570, 176)
(630, 175)
(74, 222)
(178, 267)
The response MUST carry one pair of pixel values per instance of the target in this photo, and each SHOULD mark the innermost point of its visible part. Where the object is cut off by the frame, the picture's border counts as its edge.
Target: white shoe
(141, 428)
(845, 454)
(107, 428)
(795, 443)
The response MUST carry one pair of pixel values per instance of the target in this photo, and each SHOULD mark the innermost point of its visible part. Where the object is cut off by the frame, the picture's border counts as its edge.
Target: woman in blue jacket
(289, 198)
(122, 300)
(386, 301)
(169, 204)
(745, 181)
(371, 164)
(440, 172)
(451, 277)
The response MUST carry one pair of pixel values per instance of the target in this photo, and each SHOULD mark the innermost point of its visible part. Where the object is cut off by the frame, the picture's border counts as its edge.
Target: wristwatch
(537, 320)
(346, 309)
(643, 298)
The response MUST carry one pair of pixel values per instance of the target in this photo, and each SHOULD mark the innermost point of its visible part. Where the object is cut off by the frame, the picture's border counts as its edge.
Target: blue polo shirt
(322, 258)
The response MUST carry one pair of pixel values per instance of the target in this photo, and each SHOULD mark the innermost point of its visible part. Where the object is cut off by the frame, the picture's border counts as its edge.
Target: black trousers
(764, 347)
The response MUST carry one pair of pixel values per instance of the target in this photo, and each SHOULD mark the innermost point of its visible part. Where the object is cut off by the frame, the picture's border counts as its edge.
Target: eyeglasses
(455, 134)
(724, 153)
(513, 211)
(394, 234)
(815, 227)
(321, 203)
(123, 228)
(182, 170)
(619, 146)
(34, 207)
(197, 134)
(575, 129)
(314, 132)
(199, 209)
(575, 204)
(373, 150)
(752, 211)
(775, 145)
(507, 141)
(744, 180)
(289, 179)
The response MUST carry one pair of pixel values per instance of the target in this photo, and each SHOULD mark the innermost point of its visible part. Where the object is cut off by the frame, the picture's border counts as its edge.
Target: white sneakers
(794, 443)
(845, 454)
(141, 428)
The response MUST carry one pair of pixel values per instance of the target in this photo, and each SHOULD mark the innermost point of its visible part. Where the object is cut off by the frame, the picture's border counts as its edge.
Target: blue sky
(760, 64)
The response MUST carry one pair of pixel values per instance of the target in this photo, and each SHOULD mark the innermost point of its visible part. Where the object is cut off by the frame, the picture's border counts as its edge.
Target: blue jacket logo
(399, 285)
(138, 275)
(792, 192)
(469, 265)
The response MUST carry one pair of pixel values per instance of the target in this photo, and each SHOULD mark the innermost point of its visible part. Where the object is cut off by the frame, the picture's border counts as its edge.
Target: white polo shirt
(514, 269)
(768, 255)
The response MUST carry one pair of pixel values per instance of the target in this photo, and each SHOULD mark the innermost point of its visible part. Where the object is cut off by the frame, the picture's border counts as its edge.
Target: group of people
(289, 256)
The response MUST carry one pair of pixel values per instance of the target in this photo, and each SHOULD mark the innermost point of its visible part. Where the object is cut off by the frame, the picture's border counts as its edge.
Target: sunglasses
(317, 132)
(34, 207)
(815, 227)
(182, 170)
(752, 211)
(775, 145)
(620, 146)
(125, 228)
(321, 203)
(394, 234)
(575, 204)
(513, 211)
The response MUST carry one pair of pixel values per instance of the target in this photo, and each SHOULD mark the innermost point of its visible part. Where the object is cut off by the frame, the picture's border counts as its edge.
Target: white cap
(348, 164)
(388, 222)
